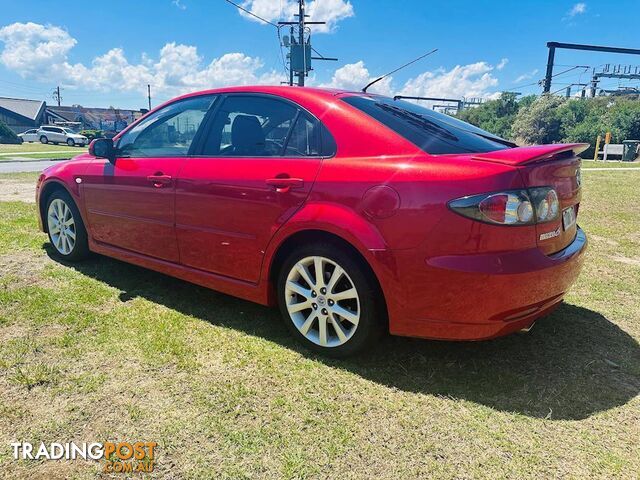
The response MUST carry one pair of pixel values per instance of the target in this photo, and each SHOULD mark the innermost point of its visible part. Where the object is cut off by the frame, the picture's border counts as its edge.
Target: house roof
(30, 109)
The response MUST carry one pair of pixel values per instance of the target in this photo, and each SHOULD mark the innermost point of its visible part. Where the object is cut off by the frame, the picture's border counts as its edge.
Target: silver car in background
(54, 134)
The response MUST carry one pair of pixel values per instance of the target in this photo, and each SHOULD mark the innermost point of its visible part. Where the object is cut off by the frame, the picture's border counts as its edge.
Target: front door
(130, 204)
(260, 158)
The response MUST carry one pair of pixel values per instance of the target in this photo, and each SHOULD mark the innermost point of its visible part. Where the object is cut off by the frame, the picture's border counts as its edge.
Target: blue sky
(104, 53)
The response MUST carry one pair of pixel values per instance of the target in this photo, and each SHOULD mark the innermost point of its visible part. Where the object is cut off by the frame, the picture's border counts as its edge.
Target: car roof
(286, 91)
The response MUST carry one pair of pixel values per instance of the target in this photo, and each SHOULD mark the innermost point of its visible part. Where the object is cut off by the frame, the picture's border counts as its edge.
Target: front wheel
(44, 139)
(65, 227)
(71, 142)
(329, 300)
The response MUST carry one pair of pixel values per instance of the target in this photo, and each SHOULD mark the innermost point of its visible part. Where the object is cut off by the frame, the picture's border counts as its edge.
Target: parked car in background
(30, 135)
(56, 135)
(355, 213)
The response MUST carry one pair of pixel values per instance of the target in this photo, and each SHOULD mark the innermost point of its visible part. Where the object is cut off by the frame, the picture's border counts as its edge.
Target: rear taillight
(511, 207)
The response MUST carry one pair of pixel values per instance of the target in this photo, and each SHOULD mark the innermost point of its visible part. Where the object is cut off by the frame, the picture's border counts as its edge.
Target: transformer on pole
(300, 49)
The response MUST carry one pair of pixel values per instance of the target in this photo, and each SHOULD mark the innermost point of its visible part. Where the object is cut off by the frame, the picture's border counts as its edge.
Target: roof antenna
(399, 68)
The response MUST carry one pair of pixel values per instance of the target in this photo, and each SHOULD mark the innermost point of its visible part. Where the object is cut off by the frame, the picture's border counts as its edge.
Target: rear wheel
(329, 300)
(44, 139)
(65, 227)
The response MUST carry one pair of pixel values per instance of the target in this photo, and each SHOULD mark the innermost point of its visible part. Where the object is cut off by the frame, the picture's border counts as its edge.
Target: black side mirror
(103, 148)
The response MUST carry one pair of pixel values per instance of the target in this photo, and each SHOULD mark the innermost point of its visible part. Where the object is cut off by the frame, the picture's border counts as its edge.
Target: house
(108, 119)
(20, 114)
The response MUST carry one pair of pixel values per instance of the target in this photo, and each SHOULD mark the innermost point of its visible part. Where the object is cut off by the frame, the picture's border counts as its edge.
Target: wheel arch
(47, 190)
(306, 236)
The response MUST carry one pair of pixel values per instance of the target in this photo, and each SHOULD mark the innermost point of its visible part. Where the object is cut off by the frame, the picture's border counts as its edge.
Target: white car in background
(55, 135)
(30, 135)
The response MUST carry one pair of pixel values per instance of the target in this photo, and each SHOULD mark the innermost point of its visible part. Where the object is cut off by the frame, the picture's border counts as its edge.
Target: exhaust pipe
(527, 329)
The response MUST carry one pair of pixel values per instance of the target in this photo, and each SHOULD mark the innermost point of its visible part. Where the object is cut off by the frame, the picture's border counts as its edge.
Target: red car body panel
(218, 224)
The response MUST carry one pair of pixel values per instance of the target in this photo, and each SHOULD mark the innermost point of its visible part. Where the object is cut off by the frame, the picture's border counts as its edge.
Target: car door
(259, 158)
(130, 203)
(58, 135)
(30, 135)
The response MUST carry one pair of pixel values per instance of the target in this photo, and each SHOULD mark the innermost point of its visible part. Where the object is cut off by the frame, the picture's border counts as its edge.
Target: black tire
(44, 139)
(80, 250)
(71, 142)
(372, 306)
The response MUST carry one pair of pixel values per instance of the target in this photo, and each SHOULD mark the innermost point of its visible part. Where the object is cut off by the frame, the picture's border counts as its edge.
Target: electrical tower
(573, 46)
(300, 48)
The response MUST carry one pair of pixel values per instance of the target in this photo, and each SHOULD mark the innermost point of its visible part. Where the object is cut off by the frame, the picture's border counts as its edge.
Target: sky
(105, 53)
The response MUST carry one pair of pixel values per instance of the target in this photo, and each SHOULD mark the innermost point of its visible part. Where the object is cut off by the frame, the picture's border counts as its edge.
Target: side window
(305, 138)
(251, 126)
(168, 131)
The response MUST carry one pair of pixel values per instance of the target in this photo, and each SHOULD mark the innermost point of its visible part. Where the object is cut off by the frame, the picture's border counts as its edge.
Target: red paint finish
(227, 209)
(219, 222)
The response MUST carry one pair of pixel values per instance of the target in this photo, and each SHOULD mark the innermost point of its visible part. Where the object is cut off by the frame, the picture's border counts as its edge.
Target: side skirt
(236, 288)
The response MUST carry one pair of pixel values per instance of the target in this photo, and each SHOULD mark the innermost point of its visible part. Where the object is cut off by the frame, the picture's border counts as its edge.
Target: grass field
(609, 164)
(107, 351)
(34, 150)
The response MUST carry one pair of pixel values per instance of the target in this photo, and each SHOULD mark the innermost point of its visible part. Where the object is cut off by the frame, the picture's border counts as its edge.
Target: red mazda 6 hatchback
(355, 213)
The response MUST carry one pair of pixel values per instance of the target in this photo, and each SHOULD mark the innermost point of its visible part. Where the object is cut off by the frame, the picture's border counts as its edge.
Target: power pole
(300, 49)
(56, 95)
(149, 95)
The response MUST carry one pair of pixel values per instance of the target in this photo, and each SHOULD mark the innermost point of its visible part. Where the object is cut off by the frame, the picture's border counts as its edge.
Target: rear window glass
(433, 132)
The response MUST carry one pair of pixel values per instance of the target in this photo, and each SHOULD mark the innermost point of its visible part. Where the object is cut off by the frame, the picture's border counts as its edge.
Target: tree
(7, 135)
(540, 122)
(496, 116)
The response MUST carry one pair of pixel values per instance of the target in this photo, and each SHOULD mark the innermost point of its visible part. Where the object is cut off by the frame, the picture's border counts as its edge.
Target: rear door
(131, 204)
(260, 156)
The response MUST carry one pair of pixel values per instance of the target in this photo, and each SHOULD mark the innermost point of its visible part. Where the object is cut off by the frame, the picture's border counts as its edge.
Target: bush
(496, 116)
(92, 134)
(539, 123)
(8, 136)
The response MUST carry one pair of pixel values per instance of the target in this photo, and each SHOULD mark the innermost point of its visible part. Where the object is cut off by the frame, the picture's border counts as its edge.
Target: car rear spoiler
(523, 155)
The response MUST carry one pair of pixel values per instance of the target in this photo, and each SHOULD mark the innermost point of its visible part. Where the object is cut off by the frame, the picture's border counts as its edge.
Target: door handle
(284, 184)
(159, 180)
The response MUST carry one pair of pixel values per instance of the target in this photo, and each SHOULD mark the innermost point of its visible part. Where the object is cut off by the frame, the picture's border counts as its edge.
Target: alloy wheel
(322, 301)
(62, 226)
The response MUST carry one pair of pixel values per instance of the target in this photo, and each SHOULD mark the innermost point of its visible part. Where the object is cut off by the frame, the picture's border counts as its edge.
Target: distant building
(107, 119)
(20, 114)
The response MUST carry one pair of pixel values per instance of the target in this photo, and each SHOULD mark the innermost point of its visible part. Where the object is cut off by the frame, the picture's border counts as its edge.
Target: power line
(251, 13)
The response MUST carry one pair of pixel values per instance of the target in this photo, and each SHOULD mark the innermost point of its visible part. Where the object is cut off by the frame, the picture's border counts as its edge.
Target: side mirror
(103, 148)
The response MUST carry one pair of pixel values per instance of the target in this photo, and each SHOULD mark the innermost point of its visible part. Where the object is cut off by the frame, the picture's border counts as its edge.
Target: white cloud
(178, 4)
(30, 48)
(41, 52)
(354, 76)
(577, 9)
(526, 76)
(502, 64)
(330, 11)
(473, 80)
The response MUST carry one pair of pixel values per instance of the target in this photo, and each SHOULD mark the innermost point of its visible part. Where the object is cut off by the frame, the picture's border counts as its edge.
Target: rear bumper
(475, 297)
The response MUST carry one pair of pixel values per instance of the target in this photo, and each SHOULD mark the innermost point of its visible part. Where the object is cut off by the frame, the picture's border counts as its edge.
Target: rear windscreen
(433, 132)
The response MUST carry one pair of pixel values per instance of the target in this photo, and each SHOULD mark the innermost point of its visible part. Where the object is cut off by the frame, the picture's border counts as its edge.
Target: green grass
(103, 350)
(38, 151)
(609, 164)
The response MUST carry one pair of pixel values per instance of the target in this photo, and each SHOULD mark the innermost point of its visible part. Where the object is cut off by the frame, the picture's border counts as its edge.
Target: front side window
(431, 131)
(167, 132)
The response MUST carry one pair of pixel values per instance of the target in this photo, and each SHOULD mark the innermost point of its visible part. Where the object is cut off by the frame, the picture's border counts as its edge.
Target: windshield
(433, 132)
